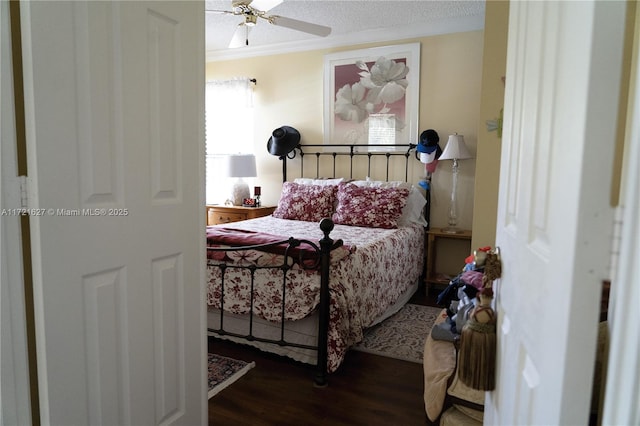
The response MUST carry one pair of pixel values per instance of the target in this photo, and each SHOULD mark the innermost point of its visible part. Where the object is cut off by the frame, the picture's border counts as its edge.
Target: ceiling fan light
(240, 36)
(250, 20)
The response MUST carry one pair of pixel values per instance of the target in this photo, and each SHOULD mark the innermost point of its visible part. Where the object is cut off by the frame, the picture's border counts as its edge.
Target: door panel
(115, 102)
(554, 219)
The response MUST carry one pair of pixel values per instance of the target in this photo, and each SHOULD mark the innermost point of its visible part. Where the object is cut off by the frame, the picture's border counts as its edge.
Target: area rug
(402, 335)
(224, 371)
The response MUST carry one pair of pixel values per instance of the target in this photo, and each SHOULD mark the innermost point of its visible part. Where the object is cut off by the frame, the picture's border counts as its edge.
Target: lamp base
(452, 230)
(239, 192)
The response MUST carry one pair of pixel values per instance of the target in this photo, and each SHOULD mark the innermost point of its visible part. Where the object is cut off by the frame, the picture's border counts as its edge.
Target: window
(229, 119)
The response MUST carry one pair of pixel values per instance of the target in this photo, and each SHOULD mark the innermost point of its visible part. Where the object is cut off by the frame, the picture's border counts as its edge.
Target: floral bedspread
(368, 275)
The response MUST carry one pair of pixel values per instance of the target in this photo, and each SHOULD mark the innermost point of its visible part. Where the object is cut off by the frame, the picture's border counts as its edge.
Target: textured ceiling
(355, 20)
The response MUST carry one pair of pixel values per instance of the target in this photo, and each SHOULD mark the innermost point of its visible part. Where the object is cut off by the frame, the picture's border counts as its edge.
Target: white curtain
(229, 129)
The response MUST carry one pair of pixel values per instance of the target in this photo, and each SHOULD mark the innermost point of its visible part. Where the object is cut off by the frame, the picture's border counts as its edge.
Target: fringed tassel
(477, 355)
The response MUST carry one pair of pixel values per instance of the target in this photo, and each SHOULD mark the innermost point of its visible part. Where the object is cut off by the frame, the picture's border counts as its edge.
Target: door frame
(621, 390)
(16, 394)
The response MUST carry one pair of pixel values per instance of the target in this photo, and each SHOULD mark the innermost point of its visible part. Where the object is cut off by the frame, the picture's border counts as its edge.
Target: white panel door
(554, 218)
(114, 99)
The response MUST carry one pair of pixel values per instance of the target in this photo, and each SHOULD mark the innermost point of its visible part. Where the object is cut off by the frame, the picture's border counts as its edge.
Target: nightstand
(227, 214)
(459, 244)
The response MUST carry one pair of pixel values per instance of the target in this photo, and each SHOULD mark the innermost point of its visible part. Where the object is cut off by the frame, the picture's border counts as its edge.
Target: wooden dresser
(227, 214)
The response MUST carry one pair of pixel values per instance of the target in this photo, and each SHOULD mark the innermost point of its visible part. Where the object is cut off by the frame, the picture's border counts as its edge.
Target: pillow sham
(372, 207)
(413, 211)
(310, 203)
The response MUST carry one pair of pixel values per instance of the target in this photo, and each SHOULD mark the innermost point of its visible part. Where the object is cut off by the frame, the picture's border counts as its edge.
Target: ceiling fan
(251, 10)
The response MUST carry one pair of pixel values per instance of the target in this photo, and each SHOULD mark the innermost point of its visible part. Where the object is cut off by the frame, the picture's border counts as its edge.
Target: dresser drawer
(225, 217)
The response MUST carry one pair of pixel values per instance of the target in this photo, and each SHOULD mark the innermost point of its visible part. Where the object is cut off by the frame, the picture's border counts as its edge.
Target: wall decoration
(371, 96)
(496, 124)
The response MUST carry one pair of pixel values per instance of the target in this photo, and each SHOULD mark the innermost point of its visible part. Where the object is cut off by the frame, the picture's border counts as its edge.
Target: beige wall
(489, 145)
(625, 114)
(289, 91)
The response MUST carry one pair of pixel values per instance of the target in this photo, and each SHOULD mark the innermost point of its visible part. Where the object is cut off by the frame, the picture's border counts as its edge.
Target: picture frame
(371, 96)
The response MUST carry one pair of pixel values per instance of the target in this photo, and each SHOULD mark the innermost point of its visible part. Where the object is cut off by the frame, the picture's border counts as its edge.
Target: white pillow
(413, 211)
(382, 183)
(320, 182)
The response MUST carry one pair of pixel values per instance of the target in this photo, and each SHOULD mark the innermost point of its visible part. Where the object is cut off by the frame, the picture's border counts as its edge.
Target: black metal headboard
(354, 152)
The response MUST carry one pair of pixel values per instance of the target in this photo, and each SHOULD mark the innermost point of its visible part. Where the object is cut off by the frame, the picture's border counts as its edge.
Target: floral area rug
(402, 335)
(224, 371)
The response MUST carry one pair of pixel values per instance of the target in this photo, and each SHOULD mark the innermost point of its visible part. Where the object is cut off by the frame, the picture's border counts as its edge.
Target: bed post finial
(326, 225)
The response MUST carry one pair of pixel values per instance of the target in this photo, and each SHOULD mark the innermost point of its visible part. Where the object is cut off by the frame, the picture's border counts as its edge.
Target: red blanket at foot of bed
(221, 236)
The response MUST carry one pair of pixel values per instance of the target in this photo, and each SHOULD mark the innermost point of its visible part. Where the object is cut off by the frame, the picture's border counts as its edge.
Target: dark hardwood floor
(366, 390)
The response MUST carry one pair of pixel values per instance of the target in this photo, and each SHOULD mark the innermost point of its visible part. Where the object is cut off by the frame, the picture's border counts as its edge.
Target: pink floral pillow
(373, 207)
(310, 203)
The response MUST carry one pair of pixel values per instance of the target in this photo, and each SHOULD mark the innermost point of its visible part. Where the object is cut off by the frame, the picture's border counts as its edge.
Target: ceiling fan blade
(240, 37)
(236, 3)
(264, 5)
(219, 12)
(305, 27)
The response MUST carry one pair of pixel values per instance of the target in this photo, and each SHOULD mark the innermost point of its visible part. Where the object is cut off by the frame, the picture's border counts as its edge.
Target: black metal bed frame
(322, 251)
(353, 152)
(321, 261)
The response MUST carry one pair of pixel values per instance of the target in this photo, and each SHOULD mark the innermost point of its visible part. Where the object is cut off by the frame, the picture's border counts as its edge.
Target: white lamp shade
(240, 165)
(455, 149)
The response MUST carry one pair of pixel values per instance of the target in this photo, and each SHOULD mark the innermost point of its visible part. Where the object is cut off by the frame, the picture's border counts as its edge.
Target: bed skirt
(304, 331)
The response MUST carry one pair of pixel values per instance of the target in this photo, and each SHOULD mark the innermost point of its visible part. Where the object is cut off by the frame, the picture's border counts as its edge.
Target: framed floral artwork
(371, 96)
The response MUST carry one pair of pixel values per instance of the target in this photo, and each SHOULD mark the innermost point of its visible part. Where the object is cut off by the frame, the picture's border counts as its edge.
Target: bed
(336, 257)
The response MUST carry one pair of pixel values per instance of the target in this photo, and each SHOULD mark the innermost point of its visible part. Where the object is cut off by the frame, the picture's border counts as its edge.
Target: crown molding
(444, 26)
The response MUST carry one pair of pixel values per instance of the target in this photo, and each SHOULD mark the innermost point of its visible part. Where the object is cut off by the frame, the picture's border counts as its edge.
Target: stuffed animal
(477, 259)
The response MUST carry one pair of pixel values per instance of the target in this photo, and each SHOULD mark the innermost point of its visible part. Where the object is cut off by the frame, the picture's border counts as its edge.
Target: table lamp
(455, 150)
(240, 166)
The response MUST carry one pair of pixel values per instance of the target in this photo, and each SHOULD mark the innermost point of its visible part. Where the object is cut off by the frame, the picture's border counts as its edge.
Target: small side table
(432, 276)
